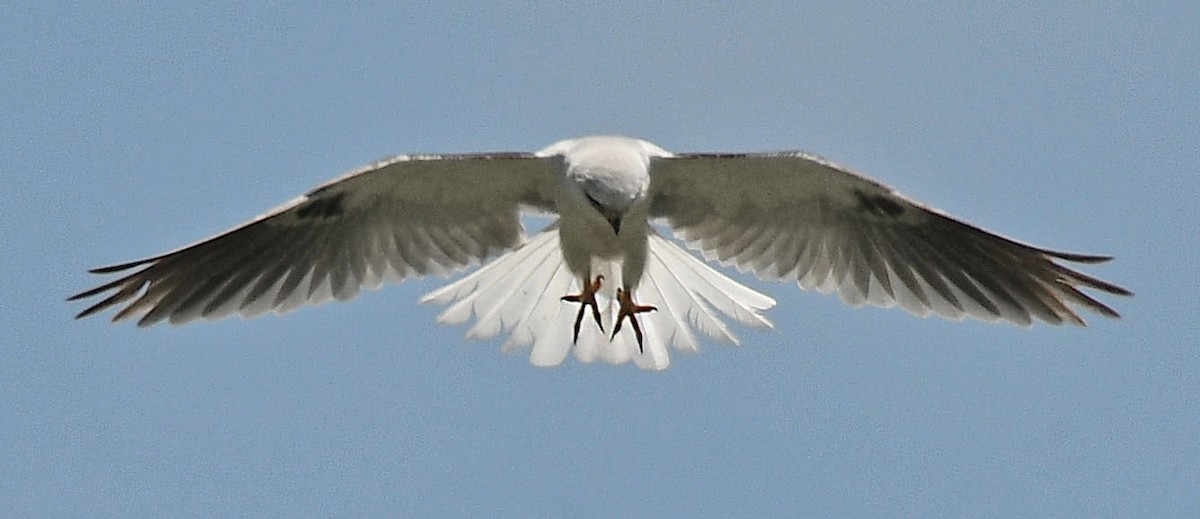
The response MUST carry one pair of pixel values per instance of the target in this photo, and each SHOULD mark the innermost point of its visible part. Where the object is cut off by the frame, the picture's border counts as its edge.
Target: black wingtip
(91, 310)
(109, 269)
(89, 293)
(1077, 258)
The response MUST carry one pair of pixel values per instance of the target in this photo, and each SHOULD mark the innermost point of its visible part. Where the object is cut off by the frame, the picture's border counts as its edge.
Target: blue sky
(130, 130)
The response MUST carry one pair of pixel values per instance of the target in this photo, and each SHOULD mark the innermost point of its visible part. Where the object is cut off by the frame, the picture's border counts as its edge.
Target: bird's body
(601, 202)
(782, 216)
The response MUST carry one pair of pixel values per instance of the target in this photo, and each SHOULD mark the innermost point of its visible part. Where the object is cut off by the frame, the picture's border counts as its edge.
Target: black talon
(586, 298)
(630, 310)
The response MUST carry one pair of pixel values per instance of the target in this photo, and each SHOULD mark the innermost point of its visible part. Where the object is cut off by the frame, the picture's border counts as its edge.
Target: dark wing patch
(322, 207)
(878, 205)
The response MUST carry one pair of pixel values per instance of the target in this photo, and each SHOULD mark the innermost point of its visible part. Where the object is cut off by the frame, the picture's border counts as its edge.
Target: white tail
(520, 294)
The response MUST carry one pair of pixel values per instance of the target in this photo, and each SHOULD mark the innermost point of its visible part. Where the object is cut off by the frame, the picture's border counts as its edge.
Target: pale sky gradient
(132, 129)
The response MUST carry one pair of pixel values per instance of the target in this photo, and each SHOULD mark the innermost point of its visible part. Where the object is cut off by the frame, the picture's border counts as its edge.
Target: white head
(612, 171)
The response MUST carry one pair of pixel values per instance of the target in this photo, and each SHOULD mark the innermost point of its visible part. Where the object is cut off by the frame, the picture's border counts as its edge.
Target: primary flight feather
(601, 280)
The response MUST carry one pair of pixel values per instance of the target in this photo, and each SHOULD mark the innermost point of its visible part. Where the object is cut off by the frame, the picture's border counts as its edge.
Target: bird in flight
(604, 279)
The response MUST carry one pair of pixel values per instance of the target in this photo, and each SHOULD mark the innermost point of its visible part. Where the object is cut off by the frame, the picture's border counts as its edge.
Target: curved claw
(630, 309)
(586, 298)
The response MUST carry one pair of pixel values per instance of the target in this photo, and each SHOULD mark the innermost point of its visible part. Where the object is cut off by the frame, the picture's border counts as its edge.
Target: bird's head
(612, 172)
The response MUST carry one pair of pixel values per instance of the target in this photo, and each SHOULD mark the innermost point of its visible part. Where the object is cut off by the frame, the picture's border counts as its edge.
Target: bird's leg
(630, 309)
(585, 299)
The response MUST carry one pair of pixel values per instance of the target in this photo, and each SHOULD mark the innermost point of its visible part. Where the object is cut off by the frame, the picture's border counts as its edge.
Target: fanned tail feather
(520, 294)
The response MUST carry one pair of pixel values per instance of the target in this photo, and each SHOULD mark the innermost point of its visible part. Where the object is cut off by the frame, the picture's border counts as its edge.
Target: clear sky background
(129, 130)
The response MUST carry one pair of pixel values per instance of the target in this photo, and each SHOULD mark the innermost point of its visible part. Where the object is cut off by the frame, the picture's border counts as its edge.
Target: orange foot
(630, 309)
(586, 298)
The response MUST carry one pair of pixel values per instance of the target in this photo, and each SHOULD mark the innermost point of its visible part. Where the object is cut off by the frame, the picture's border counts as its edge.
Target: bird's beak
(615, 222)
(613, 217)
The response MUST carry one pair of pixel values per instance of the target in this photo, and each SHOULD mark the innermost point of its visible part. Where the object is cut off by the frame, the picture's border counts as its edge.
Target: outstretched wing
(793, 216)
(402, 217)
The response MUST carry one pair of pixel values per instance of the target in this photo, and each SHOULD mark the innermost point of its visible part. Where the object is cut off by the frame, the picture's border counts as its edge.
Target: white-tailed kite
(602, 278)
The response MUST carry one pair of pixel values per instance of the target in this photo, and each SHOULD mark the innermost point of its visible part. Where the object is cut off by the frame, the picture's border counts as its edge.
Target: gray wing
(402, 217)
(793, 216)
